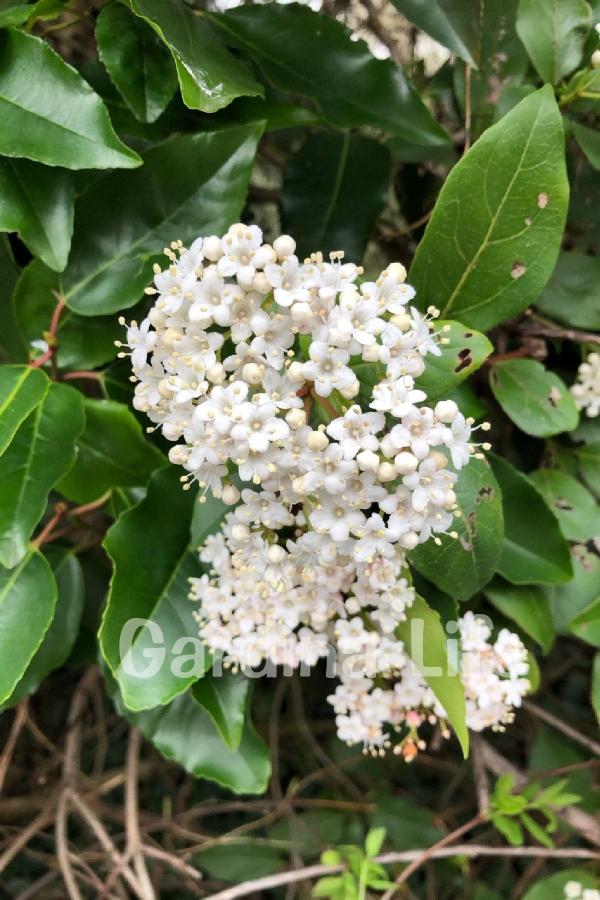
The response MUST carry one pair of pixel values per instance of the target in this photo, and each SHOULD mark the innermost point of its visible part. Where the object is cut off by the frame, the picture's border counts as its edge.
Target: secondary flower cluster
(574, 890)
(586, 391)
(299, 383)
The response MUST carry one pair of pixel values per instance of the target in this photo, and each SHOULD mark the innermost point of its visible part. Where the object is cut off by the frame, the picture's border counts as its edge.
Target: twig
(479, 774)
(171, 860)
(380, 31)
(50, 353)
(470, 850)
(575, 735)
(132, 825)
(569, 334)
(15, 731)
(468, 71)
(45, 818)
(62, 848)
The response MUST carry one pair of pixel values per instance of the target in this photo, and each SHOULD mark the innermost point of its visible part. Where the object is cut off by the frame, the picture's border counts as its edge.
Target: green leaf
(188, 186)
(12, 343)
(555, 885)
(586, 625)
(41, 452)
(112, 452)
(207, 518)
(464, 353)
(21, 389)
(139, 64)
(510, 804)
(568, 600)
(49, 113)
(494, 236)
(425, 642)
(596, 686)
(310, 54)
(536, 830)
(453, 24)
(236, 863)
(27, 600)
(461, 566)
(38, 203)
(64, 628)
(504, 785)
(536, 400)
(509, 828)
(588, 464)
(224, 698)
(374, 841)
(527, 605)
(501, 61)
(589, 141)
(534, 550)
(572, 295)
(554, 32)
(576, 510)
(185, 732)
(149, 546)
(210, 77)
(334, 189)
(84, 342)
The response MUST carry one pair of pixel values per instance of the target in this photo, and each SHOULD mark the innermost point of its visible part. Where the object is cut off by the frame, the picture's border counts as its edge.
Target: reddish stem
(50, 353)
(70, 376)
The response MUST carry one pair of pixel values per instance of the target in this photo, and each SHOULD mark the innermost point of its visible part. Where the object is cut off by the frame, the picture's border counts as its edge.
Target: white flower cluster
(586, 391)
(254, 361)
(574, 890)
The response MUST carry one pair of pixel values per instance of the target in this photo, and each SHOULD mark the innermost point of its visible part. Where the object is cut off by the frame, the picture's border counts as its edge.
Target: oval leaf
(554, 34)
(527, 605)
(224, 696)
(536, 400)
(453, 24)
(577, 512)
(21, 389)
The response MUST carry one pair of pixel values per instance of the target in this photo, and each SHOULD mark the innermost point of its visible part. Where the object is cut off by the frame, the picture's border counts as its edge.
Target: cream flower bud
(178, 454)
(371, 353)
(252, 373)
(351, 391)
(296, 418)
(276, 554)
(230, 494)
(211, 248)
(439, 459)
(164, 389)
(409, 540)
(260, 283)
(387, 447)
(368, 461)
(158, 319)
(401, 321)
(446, 410)
(216, 373)
(406, 463)
(386, 472)
(240, 532)
(317, 440)
(284, 246)
(449, 497)
(301, 313)
(596, 58)
(294, 373)
(398, 270)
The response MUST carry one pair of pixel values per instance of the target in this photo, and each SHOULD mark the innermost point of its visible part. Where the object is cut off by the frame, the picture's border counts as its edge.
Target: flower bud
(301, 313)
(252, 373)
(230, 494)
(157, 318)
(211, 248)
(409, 540)
(371, 353)
(401, 321)
(368, 461)
(439, 459)
(261, 284)
(245, 277)
(284, 246)
(294, 373)
(595, 60)
(387, 447)
(398, 270)
(240, 532)
(406, 463)
(178, 454)
(449, 498)
(446, 410)
(351, 391)
(276, 554)
(216, 373)
(296, 418)
(317, 440)
(386, 472)
(164, 389)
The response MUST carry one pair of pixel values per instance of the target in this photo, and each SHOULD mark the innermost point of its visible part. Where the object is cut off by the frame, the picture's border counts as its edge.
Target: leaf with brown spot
(460, 356)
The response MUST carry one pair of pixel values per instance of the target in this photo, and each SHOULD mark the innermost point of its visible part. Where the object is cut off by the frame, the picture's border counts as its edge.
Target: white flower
(397, 397)
(327, 368)
(586, 391)
(356, 431)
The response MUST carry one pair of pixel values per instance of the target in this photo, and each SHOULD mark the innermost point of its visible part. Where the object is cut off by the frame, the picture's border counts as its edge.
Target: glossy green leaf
(576, 510)
(41, 452)
(310, 54)
(37, 201)
(149, 546)
(554, 886)
(570, 599)
(527, 605)
(207, 518)
(210, 77)
(454, 25)
(534, 550)
(425, 642)
(183, 731)
(13, 12)
(572, 296)
(111, 452)
(596, 686)
(334, 189)
(586, 624)
(461, 566)
(49, 113)
(27, 601)
(21, 389)
(536, 400)
(64, 628)
(501, 60)
(554, 32)
(139, 64)
(463, 354)
(494, 236)
(188, 186)
(224, 696)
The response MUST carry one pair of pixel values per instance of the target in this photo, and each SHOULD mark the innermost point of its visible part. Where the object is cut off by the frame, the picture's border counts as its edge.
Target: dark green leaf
(554, 32)
(334, 189)
(207, 518)
(12, 343)
(464, 352)
(576, 510)
(149, 546)
(527, 605)
(112, 452)
(41, 452)
(596, 686)
(534, 550)
(37, 201)
(49, 113)
(494, 236)
(555, 885)
(588, 462)
(455, 25)
(210, 77)
(223, 696)
(236, 863)
(188, 186)
(21, 389)
(589, 141)
(461, 566)
(62, 633)
(425, 642)
(185, 732)
(139, 64)
(27, 600)
(586, 625)
(310, 54)
(536, 400)
(568, 600)
(572, 296)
